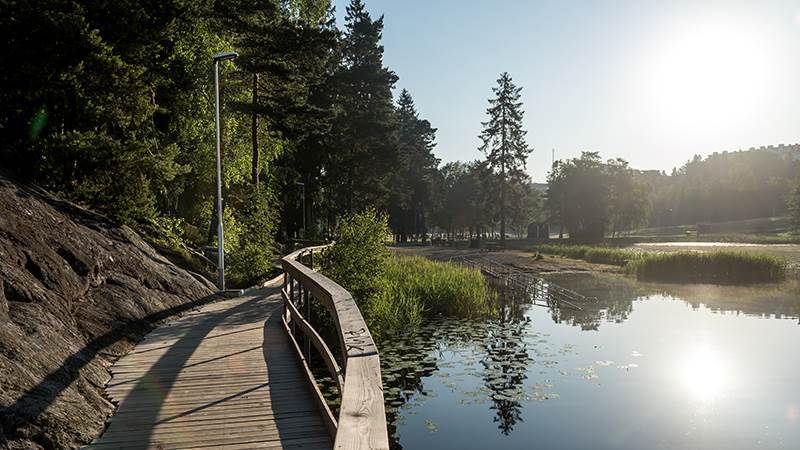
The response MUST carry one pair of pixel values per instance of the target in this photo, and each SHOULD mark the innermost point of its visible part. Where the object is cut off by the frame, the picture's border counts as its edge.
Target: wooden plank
(327, 415)
(319, 344)
(304, 443)
(222, 378)
(362, 417)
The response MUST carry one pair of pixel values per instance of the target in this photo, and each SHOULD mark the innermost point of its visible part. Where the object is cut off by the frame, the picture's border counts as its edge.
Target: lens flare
(38, 123)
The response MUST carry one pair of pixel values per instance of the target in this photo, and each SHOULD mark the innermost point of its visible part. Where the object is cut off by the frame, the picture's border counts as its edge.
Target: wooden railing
(362, 419)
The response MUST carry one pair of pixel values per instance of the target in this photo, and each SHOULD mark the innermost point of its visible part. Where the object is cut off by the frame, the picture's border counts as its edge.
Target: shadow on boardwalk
(224, 377)
(35, 401)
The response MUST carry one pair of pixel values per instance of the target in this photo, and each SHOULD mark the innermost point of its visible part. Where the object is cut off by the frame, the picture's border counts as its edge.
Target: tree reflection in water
(499, 352)
(507, 360)
(615, 296)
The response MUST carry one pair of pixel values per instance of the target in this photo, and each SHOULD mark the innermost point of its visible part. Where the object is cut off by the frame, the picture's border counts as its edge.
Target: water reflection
(505, 369)
(646, 366)
(704, 373)
(616, 295)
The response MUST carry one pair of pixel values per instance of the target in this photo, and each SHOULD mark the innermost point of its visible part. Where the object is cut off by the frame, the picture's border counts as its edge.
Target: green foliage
(393, 308)
(721, 267)
(251, 260)
(396, 292)
(413, 180)
(794, 207)
(600, 255)
(525, 206)
(722, 187)
(359, 257)
(586, 195)
(110, 104)
(415, 288)
(362, 144)
(468, 197)
(445, 288)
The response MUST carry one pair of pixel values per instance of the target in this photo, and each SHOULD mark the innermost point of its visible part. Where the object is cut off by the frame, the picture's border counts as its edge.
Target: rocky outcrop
(76, 292)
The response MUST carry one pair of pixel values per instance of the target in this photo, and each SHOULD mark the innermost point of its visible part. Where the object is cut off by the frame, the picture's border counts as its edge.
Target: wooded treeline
(110, 104)
(593, 199)
(724, 186)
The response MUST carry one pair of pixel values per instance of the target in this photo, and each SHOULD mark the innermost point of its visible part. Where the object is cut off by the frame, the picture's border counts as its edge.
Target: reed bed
(719, 267)
(600, 255)
(415, 288)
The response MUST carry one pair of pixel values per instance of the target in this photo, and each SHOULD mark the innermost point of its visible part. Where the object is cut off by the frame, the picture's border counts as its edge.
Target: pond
(645, 367)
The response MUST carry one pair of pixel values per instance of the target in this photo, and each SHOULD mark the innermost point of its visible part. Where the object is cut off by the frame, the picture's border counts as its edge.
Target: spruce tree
(413, 178)
(504, 141)
(364, 132)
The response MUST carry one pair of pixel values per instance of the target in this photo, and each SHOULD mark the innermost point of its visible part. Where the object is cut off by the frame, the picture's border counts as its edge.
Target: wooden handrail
(362, 417)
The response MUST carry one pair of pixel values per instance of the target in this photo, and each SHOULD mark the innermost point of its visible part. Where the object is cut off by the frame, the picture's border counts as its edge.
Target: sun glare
(709, 77)
(705, 374)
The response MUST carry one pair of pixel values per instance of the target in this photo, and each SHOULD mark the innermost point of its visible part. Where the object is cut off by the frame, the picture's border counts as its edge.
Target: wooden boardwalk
(222, 377)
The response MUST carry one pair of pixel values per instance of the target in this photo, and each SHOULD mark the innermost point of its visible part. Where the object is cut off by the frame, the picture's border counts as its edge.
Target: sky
(651, 81)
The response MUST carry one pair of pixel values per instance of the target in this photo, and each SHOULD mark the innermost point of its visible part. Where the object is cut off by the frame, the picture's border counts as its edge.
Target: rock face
(76, 292)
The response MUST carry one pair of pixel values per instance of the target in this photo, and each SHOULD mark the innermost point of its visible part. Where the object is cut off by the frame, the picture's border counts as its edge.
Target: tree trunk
(503, 183)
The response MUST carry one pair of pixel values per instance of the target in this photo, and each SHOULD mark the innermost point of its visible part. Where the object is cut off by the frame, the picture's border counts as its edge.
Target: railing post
(291, 296)
(311, 259)
(294, 302)
(307, 305)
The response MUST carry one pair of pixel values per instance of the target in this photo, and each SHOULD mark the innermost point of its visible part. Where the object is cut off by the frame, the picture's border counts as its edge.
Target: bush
(398, 292)
(721, 267)
(358, 259)
(250, 240)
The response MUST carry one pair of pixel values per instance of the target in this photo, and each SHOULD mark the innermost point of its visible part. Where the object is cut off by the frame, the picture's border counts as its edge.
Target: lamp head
(224, 56)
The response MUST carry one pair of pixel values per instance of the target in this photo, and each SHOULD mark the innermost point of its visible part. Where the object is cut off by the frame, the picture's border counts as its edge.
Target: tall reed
(719, 267)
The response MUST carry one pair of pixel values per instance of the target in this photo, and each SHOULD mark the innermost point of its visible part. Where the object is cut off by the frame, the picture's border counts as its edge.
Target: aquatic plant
(443, 287)
(719, 267)
(600, 255)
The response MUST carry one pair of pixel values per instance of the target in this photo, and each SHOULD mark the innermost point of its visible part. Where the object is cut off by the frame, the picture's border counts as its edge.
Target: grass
(720, 267)
(415, 288)
(600, 255)
(717, 267)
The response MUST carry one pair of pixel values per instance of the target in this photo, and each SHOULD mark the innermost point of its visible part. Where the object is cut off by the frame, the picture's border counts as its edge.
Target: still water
(646, 367)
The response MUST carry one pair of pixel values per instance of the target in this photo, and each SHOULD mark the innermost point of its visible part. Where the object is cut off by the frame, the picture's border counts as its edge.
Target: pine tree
(504, 141)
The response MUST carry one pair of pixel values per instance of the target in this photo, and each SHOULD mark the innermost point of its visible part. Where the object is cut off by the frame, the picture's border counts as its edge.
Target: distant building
(541, 187)
(538, 231)
(792, 150)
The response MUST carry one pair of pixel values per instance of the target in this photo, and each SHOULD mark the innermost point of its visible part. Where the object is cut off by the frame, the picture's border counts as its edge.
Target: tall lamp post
(220, 235)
